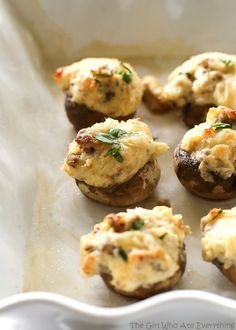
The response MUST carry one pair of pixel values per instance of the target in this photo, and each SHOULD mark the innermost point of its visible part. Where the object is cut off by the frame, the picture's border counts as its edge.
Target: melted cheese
(208, 78)
(96, 169)
(152, 251)
(219, 241)
(99, 84)
(214, 149)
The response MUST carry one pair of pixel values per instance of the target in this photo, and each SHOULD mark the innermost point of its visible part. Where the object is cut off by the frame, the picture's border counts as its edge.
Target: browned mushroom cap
(138, 188)
(81, 116)
(202, 81)
(156, 102)
(195, 114)
(187, 170)
(230, 273)
(145, 292)
(153, 96)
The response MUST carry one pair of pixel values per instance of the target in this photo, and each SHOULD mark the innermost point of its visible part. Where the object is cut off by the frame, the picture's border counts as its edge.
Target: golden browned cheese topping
(204, 79)
(111, 152)
(137, 248)
(219, 236)
(106, 85)
(213, 144)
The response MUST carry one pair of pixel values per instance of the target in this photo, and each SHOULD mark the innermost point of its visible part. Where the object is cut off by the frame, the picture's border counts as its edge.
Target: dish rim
(101, 313)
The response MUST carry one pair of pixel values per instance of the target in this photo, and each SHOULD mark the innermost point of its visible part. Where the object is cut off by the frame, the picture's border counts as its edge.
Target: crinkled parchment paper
(43, 214)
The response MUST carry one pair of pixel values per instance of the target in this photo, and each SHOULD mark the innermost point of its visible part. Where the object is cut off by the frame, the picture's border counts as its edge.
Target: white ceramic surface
(173, 310)
(42, 213)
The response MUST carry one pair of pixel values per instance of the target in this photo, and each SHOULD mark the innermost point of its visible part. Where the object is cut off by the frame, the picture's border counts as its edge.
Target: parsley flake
(227, 62)
(105, 138)
(125, 66)
(220, 211)
(218, 126)
(112, 137)
(117, 132)
(126, 76)
(161, 237)
(115, 152)
(137, 224)
(123, 254)
(102, 75)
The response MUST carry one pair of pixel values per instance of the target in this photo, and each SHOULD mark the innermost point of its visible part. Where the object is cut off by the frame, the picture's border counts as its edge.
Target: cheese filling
(105, 85)
(208, 78)
(213, 144)
(219, 241)
(137, 248)
(111, 152)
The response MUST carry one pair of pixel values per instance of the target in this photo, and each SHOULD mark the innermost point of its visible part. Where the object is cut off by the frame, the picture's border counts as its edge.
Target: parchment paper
(43, 214)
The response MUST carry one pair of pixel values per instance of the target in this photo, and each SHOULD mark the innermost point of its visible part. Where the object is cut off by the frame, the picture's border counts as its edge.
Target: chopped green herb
(218, 126)
(125, 66)
(226, 61)
(105, 138)
(117, 132)
(180, 73)
(162, 236)
(112, 137)
(126, 76)
(97, 80)
(137, 224)
(123, 254)
(217, 214)
(102, 75)
(115, 152)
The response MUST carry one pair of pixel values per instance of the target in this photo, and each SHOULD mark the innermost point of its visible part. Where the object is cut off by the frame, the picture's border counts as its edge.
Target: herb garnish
(125, 66)
(217, 214)
(137, 224)
(97, 80)
(115, 152)
(103, 75)
(105, 138)
(126, 75)
(112, 137)
(123, 254)
(97, 75)
(162, 236)
(117, 132)
(218, 126)
(226, 61)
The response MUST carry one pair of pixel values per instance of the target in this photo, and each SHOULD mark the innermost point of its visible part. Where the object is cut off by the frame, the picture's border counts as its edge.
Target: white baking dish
(42, 212)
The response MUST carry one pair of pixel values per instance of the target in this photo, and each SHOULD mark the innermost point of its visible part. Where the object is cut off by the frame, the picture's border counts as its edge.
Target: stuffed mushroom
(138, 253)
(218, 243)
(205, 160)
(97, 88)
(114, 162)
(203, 81)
